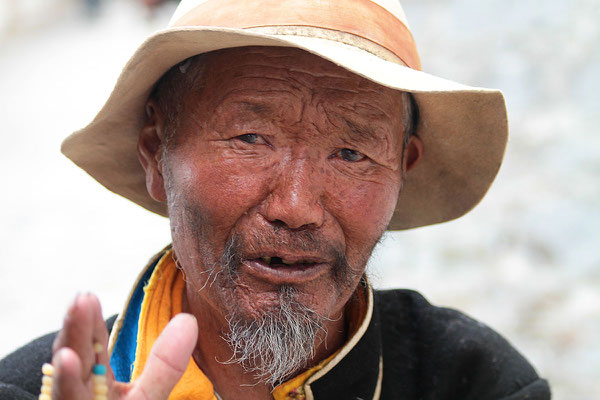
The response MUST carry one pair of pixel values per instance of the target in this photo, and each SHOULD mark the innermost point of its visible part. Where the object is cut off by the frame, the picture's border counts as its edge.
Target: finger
(100, 334)
(168, 359)
(67, 383)
(82, 326)
(77, 332)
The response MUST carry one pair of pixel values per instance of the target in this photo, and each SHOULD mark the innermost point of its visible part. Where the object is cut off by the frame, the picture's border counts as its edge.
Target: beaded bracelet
(98, 378)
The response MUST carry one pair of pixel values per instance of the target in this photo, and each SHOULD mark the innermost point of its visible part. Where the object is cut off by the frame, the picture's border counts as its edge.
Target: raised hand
(74, 356)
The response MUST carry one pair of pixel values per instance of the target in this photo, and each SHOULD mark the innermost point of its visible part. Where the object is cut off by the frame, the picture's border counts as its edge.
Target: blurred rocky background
(526, 261)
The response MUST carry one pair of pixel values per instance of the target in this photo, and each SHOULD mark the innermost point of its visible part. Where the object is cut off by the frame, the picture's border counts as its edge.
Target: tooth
(287, 262)
(266, 260)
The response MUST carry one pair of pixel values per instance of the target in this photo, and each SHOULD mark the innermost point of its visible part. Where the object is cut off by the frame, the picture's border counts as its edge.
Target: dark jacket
(427, 353)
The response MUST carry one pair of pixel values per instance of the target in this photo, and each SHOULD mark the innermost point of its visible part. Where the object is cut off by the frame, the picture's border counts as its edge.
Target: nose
(295, 198)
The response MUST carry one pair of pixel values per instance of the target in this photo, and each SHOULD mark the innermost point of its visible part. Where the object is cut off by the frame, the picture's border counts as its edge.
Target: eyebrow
(360, 132)
(257, 108)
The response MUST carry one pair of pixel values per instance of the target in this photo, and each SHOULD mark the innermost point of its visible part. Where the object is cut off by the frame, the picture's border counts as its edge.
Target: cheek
(368, 204)
(363, 213)
(221, 189)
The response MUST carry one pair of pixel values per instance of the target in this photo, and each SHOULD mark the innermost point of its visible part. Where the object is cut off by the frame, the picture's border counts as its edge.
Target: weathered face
(291, 166)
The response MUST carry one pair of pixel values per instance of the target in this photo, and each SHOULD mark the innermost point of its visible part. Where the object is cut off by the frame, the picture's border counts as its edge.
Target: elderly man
(282, 138)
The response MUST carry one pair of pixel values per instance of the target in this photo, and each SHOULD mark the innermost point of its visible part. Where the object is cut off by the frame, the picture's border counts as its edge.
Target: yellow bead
(100, 397)
(48, 369)
(46, 389)
(100, 389)
(44, 396)
(99, 379)
(98, 348)
(46, 381)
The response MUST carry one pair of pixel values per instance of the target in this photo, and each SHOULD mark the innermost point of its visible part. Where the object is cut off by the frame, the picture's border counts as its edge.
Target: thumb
(168, 359)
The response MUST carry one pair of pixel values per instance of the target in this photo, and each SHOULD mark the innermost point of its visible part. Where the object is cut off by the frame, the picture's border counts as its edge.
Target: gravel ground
(525, 261)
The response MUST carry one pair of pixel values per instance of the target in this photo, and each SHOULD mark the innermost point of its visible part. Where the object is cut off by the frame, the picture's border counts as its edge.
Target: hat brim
(464, 129)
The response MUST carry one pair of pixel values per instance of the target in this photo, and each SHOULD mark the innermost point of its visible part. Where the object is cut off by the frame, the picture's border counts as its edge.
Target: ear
(412, 153)
(149, 148)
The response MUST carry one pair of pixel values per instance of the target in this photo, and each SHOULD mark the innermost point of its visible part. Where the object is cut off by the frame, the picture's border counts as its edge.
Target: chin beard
(279, 342)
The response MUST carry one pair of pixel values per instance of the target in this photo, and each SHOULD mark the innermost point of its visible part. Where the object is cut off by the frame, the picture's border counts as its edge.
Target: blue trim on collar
(123, 354)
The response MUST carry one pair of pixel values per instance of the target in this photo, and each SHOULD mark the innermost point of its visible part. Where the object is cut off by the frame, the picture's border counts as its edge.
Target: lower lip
(285, 274)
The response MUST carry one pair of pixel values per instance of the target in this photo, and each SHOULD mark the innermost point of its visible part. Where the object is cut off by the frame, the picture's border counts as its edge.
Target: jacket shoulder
(21, 370)
(448, 355)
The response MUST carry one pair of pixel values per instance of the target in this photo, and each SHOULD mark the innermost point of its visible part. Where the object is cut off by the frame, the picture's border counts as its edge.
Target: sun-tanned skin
(278, 143)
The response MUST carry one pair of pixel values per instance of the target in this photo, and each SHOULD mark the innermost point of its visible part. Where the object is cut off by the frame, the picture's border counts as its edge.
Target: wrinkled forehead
(271, 72)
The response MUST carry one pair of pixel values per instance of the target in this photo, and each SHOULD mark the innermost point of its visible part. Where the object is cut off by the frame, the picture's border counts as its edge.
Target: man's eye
(351, 155)
(251, 138)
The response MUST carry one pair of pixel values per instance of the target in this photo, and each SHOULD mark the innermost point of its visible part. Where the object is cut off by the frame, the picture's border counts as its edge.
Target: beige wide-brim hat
(464, 129)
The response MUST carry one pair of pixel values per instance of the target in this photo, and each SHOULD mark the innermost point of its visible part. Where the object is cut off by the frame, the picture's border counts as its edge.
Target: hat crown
(375, 26)
(392, 6)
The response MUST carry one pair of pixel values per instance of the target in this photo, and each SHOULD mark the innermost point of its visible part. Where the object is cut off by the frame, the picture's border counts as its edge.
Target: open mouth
(282, 270)
(278, 262)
